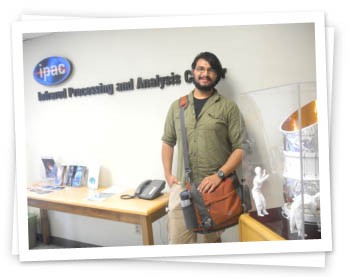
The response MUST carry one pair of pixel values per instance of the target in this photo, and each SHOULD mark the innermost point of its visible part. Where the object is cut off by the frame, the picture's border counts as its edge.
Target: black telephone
(149, 189)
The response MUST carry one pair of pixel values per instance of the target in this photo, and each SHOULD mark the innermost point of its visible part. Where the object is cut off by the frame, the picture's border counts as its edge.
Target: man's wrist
(220, 174)
(167, 174)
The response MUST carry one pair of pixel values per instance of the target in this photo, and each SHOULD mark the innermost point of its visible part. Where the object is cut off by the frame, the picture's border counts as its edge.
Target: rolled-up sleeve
(237, 129)
(169, 136)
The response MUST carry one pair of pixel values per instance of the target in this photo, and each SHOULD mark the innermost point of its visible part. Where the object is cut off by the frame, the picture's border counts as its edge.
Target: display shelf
(280, 225)
(281, 164)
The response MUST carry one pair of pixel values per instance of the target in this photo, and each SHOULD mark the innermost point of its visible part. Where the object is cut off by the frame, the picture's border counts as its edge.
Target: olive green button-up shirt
(212, 137)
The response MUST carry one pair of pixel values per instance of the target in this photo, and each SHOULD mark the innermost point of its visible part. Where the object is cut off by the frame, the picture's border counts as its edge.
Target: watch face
(221, 174)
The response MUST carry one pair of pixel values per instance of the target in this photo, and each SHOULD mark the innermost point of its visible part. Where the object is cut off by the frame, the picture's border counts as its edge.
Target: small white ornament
(259, 199)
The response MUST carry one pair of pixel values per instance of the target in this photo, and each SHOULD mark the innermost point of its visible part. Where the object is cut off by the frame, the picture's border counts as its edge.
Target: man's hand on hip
(172, 180)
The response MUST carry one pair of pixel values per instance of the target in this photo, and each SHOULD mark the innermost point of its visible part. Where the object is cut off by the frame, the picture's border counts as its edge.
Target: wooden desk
(74, 201)
(252, 230)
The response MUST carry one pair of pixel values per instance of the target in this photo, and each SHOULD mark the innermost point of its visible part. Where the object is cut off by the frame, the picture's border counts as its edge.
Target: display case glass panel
(281, 162)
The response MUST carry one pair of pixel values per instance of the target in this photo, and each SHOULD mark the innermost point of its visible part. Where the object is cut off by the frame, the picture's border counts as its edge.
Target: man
(214, 133)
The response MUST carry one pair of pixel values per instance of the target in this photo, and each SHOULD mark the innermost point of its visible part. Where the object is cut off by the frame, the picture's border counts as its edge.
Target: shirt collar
(214, 98)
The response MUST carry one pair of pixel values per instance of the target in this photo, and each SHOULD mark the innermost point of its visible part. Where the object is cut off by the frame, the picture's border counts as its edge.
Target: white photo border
(71, 25)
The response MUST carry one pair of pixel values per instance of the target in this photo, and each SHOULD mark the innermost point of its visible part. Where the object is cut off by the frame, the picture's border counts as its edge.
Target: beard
(205, 88)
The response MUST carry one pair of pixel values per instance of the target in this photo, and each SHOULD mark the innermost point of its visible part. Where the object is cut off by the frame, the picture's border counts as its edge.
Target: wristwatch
(221, 174)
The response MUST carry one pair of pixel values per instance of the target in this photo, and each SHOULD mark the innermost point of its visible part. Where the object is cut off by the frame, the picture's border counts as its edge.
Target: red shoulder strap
(183, 101)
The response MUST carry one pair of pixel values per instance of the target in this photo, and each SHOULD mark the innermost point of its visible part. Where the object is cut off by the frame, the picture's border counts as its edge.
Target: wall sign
(55, 70)
(52, 71)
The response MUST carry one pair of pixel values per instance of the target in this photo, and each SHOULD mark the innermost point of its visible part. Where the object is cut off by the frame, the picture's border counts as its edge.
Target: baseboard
(66, 243)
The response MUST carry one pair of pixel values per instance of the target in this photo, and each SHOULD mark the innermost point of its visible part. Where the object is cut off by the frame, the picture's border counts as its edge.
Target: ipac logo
(52, 71)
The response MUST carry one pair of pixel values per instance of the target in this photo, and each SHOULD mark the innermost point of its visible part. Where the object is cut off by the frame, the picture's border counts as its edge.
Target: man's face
(204, 76)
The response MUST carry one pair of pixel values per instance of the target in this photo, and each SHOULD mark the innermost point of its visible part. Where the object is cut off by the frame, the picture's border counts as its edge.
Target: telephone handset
(148, 189)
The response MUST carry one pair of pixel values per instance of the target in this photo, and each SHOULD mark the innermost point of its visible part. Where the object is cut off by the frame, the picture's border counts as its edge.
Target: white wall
(122, 132)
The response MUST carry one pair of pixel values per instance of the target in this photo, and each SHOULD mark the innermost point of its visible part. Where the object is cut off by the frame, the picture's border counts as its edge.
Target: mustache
(205, 77)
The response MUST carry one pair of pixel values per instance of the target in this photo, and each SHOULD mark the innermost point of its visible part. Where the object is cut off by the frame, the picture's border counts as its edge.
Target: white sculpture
(311, 202)
(259, 199)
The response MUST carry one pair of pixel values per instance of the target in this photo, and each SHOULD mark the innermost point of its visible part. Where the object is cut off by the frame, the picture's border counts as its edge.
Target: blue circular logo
(52, 71)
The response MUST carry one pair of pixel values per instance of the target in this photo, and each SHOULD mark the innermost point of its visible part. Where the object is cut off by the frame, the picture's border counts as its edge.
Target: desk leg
(45, 228)
(147, 231)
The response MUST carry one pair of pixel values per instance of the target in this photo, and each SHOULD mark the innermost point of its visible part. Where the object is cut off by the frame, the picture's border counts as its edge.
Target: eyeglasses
(202, 69)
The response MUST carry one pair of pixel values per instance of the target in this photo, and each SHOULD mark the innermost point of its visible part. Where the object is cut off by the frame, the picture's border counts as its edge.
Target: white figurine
(259, 199)
(295, 217)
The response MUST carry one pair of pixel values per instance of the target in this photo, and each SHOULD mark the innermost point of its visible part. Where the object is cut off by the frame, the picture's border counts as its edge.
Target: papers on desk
(45, 189)
(100, 196)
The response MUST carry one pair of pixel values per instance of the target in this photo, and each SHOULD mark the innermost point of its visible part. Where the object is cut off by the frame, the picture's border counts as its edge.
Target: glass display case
(281, 162)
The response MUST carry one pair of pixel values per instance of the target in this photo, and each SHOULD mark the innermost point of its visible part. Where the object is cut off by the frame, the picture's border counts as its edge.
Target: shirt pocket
(215, 122)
